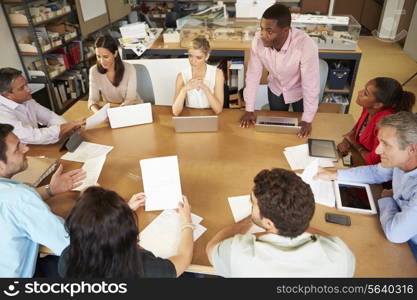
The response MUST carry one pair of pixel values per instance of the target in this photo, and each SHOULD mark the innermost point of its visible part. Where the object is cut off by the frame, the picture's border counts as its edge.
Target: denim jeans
(413, 249)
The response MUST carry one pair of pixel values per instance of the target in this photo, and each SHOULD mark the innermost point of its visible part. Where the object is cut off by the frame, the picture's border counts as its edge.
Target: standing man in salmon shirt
(292, 60)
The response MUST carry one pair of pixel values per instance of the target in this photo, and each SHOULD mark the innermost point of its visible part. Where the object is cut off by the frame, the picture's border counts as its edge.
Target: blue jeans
(278, 103)
(413, 249)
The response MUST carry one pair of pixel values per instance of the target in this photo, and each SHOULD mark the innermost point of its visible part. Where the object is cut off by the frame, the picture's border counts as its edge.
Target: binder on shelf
(39, 167)
(58, 97)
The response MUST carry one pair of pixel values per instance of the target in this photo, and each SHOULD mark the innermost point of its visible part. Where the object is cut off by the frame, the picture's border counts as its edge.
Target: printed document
(87, 150)
(323, 190)
(93, 168)
(241, 207)
(130, 115)
(161, 182)
(98, 118)
(162, 235)
(298, 158)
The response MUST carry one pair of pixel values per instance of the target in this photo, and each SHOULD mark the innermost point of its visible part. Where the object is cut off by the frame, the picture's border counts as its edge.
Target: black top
(153, 267)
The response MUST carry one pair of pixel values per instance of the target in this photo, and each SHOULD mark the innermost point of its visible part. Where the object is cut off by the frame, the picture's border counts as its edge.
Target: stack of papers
(140, 45)
(162, 236)
(241, 207)
(298, 158)
(134, 30)
(86, 151)
(323, 190)
(161, 182)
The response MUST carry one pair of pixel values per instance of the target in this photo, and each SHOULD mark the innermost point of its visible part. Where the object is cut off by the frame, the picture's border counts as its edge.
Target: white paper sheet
(91, 9)
(98, 118)
(298, 158)
(323, 191)
(241, 207)
(87, 150)
(162, 235)
(92, 167)
(161, 182)
(130, 115)
(310, 171)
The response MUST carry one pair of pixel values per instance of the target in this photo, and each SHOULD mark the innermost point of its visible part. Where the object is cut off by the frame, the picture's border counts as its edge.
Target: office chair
(171, 19)
(144, 84)
(157, 84)
(145, 18)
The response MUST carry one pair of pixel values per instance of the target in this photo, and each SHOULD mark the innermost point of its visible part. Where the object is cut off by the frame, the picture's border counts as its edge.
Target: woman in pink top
(292, 60)
(111, 78)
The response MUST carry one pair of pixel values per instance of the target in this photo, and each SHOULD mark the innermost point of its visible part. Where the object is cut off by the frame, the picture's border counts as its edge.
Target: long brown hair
(109, 43)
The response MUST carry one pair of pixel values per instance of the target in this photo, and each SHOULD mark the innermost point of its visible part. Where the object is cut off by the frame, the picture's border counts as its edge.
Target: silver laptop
(196, 124)
(277, 124)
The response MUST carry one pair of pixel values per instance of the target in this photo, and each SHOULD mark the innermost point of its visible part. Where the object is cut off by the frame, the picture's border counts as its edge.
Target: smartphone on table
(337, 219)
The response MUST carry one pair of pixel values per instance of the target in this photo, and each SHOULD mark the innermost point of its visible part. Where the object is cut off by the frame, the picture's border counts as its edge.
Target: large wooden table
(215, 166)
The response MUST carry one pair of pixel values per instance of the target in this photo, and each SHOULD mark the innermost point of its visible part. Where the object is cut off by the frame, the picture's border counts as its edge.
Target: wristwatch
(48, 190)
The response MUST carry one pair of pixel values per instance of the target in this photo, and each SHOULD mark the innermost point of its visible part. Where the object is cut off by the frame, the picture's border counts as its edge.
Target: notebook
(39, 168)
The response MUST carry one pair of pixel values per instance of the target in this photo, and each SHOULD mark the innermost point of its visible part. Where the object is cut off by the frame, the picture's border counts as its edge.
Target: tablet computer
(354, 197)
(196, 123)
(322, 148)
(277, 124)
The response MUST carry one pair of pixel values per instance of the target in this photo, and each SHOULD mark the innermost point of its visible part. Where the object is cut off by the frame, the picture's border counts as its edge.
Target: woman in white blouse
(111, 78)
(200, 85)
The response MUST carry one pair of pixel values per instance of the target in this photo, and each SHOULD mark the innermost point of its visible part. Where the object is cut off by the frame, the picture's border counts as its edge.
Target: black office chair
(171, 19)
(145, 18)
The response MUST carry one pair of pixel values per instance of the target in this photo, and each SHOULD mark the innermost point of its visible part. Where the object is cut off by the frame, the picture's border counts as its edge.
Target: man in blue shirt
(398, 150)
(25, 219)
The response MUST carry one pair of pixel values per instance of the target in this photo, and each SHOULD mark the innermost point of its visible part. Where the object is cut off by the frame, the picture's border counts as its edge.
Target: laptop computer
(277, 124)
(196, 124)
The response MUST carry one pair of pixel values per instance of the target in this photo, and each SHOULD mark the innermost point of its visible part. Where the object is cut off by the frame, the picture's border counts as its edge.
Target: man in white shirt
(17, 108)
(283, 205)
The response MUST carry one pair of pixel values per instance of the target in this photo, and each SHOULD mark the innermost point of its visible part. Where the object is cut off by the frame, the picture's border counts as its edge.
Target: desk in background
(215, 166)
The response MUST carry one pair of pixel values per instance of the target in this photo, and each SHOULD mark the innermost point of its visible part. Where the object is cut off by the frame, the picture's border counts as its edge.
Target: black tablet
(322, 148)
(354, 197)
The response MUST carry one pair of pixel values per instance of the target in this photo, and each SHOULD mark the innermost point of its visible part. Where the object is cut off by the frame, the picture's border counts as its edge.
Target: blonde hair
(201, 43)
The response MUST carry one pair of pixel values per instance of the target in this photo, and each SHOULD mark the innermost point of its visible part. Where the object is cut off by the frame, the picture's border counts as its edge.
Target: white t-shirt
(197, 98)
(272, 255)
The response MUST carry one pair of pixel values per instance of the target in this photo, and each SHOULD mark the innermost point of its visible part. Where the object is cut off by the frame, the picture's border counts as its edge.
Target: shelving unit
(57, 102)
(75, 79)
